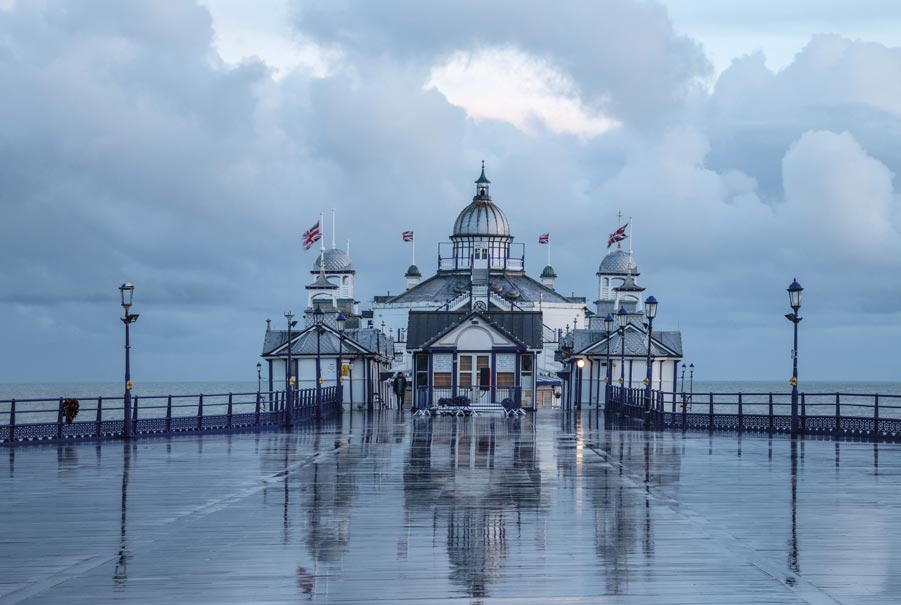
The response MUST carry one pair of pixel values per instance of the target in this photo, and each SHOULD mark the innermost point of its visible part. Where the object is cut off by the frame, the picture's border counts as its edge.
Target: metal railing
(869, 416)
(475, 397)
(34, 420)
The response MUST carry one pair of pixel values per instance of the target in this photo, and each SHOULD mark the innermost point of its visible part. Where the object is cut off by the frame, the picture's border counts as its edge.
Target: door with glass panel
(474, 378)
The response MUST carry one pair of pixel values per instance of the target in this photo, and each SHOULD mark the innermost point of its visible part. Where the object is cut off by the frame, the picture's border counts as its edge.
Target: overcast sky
(185, 146)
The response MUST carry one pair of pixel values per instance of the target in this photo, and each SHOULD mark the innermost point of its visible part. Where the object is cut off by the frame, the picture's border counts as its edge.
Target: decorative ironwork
(34, 420)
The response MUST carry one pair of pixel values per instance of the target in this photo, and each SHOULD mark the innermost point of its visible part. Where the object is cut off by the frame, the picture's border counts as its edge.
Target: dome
(335, 260)
(481, 217)
(548, 272)
(413, 271)
(618, 261)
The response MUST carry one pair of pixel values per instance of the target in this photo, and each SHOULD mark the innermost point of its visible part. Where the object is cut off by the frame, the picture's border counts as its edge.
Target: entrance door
(475, 376)
(480, 255)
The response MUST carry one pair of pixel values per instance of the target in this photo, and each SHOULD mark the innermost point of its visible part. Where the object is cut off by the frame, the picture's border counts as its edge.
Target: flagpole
(414, 247)
(321, 239)
(334, 233)
(631, 236)
(549, 251)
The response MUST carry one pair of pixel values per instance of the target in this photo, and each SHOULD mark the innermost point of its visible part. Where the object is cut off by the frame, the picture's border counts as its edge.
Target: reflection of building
(480, 320)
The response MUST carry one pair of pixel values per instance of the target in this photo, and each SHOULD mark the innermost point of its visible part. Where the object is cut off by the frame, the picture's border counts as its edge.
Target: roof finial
(483, 182)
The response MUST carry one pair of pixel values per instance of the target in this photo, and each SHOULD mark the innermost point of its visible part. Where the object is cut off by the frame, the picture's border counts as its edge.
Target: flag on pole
(618, 235)
(311, 236)
(544, 238)
(407, 236)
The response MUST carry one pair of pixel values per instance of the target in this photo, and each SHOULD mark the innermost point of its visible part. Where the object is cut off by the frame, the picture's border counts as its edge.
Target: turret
(548, 275)
(413, 276)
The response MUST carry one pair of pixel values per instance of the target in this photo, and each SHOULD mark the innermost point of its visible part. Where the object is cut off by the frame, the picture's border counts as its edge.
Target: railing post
(200, 412)
(710, 414)
(256, 413)
(770, 413)
(684, 412)
(838, 414)
(134, 416)
(59, 420)
(741, 415)
(12, 421)
(169, 414)
(876, 416)
(228, 422)
(98, 422)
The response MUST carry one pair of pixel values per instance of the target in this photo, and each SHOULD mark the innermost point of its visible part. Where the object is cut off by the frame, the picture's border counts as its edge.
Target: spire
(482, 183)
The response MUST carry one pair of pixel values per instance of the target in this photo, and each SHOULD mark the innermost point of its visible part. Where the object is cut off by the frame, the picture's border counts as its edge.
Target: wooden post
(684, 412)
(59, 420)
(200, 413)
(710, 414)
(770, 421)
(257, 411)
(741, 415)
(228, 421)
(169, 414)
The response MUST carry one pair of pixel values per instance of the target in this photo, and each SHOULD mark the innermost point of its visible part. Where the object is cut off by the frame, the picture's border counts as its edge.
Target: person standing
(399, 386)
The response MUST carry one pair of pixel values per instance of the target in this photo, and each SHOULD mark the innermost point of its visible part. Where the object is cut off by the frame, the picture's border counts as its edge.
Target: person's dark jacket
(399, 385)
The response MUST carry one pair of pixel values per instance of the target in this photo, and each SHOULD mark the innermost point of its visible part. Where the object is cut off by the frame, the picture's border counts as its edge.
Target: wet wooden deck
(386, 509)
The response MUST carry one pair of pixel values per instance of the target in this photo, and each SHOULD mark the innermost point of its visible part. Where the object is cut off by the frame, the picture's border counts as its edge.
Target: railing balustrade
(848, 415)
(41, 419)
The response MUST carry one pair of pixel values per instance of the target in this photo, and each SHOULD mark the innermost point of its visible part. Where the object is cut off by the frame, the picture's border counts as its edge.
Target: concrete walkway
(390, 509)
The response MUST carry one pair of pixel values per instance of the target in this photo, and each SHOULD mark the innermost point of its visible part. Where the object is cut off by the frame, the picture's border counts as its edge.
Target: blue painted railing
(867, 416)
(36, 420)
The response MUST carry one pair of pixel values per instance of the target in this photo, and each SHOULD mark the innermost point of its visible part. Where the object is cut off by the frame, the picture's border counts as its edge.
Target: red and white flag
(618, 235)
(544, 238)
(311, 236)
(407, 236)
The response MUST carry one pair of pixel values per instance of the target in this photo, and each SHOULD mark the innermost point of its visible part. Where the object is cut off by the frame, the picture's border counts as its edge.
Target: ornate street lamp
(289, 375)
(127, 294)
(259, 376)
(608, 374)
(317, 321)
(650, 311)
(580, 363)
(691, 382)
(340, 321)
(794, 301)
(622, 320)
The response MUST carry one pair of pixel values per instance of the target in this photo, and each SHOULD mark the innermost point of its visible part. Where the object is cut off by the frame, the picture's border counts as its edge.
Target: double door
(474, 376)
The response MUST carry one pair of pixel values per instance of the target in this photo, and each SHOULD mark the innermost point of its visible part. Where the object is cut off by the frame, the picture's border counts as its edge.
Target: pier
(380, 507)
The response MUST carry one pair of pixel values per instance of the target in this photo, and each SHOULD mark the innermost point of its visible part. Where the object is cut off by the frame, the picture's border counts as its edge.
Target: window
(421, 369)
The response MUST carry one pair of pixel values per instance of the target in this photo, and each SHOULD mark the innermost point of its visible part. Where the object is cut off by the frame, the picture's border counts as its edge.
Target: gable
(475, 334)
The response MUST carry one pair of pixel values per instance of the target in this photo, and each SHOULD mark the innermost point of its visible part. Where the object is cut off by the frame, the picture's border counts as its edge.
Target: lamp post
(622, 319)
(682, 386)
(608, 374)
(580, 363)
(341, 322)
(317, 321)
(289, 375)
(794, 300)
(259, 376)
(127, 293)
(691, 383)
(650, 311)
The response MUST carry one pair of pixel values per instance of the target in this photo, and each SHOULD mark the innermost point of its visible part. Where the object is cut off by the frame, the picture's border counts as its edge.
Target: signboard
(345, 370)
(442, 362)
(506, 362)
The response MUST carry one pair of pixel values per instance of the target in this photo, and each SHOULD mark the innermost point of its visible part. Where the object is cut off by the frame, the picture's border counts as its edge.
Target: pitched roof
(365, 340)
(664, 343)
(524, 327)
(518, 288)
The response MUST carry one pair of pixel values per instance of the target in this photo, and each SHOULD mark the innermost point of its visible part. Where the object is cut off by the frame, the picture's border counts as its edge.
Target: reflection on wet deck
(386, 508)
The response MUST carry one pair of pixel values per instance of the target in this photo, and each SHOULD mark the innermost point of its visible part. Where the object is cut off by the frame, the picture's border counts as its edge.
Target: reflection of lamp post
(317, 321)
(127, 293)
(608, 374)
(259, 376)
(289, 374)
(794, 300)
(339, 387)
(650, 311)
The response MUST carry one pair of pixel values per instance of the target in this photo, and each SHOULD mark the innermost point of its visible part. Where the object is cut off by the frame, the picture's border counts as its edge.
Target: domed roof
(548, 272)
(481, 217)
(618, 261)
(413, 271)
(334, 260)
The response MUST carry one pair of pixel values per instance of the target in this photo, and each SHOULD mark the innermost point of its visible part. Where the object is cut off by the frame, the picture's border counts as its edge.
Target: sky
(185, 147)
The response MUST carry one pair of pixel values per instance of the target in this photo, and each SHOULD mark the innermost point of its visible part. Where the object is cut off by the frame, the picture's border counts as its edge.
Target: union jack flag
(312, 235)
(408, 236)
(544, 238)
(618, 235)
